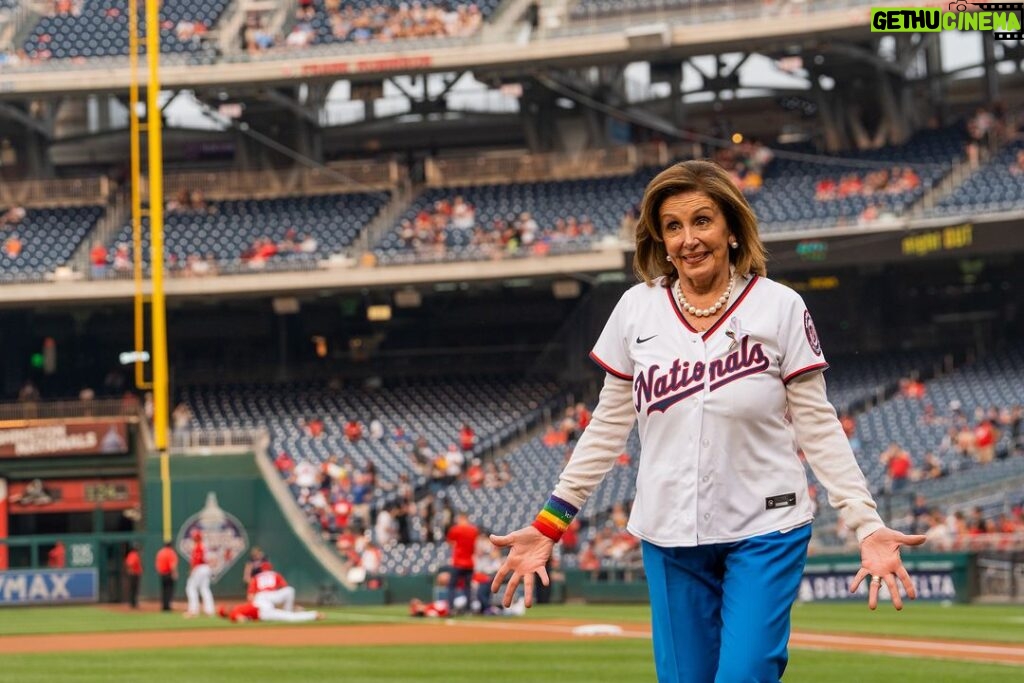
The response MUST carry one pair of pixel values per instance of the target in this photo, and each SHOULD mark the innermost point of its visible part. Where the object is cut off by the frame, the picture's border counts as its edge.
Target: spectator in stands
(985, 437)
(353, 430)
(492, 479)
(314, 427)
(28, 392)
(505, 475)
(13, 246)
(933, 467)
(698, 249)
(1017, 167)
(181, 418)
(898, 465)
(12, 216)
(122, 258)
(467, 437)
(554, 438)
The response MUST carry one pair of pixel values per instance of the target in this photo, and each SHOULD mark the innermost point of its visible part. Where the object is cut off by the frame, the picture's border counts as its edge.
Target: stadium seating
(49, 237)
(787, 200)
(101, 29)
(603, 200)
(998, 381)
(995, 381)
(227, 228)
(991, 189)
(535, 469)
(856, 379)
(324, 34)
(497, 409)
(592, 9)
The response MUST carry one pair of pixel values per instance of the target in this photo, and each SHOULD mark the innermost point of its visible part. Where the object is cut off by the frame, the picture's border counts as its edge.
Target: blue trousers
(720, 613)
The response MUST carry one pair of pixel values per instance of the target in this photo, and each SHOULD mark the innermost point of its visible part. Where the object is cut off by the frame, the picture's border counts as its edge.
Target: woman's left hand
(880, 560)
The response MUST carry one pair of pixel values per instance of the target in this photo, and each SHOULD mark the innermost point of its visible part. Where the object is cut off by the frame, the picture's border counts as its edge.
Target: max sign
(48, 586)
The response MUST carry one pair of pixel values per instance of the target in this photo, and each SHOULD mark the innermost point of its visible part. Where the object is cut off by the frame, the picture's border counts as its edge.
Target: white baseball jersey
(719, 460)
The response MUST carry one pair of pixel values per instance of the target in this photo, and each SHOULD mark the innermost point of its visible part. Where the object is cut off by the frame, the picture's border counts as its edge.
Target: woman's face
(696, 237)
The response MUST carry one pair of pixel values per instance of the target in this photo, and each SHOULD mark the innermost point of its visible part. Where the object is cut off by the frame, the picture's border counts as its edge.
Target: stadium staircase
(117, 213)
(21, 19)
(402, 197)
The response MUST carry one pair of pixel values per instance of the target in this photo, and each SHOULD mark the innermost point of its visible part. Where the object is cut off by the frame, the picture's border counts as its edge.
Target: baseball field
(926, 643)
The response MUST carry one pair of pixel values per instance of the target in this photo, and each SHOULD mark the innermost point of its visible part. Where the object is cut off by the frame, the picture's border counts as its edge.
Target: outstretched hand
(529, 553)
(880, 560)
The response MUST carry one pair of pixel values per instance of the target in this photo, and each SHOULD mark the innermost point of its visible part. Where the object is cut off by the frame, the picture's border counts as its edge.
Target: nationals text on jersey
(683, 379)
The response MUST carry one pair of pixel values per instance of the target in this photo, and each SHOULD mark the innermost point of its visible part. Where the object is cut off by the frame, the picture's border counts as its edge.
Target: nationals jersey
(266, 580)
(718, 459)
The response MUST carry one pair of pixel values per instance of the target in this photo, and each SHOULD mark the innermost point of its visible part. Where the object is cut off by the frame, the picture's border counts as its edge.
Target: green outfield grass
(575, 662)
(586, 661)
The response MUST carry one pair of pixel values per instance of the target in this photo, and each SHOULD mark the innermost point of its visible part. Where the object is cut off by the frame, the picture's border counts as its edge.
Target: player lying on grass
(266, 612)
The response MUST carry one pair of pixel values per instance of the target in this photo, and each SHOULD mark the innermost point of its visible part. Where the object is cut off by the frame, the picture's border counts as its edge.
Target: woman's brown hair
(697, 175)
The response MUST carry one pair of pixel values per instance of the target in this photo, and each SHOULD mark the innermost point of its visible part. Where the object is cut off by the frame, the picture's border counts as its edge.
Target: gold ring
(877, 580)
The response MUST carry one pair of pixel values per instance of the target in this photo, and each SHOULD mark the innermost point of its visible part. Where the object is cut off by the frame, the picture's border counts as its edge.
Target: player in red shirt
(133, 570)
(199, 579)
(437, 608)
(250, 612)
(55, 559)
(268, 587)
(167, 569)
(462, 537)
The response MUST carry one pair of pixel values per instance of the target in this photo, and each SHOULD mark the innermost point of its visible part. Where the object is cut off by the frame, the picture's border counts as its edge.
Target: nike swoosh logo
(646, 339)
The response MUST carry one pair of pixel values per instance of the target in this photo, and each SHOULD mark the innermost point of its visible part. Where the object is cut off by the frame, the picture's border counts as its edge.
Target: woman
(722, 367)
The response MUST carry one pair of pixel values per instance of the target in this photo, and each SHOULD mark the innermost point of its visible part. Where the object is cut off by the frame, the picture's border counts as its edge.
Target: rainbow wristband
(555, 518)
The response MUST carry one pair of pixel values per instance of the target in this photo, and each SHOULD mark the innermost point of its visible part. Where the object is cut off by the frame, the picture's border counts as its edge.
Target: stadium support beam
(275, 96)
(829, 106)
(43, 128)
(988, 51)
(936, 84)
(861, 54)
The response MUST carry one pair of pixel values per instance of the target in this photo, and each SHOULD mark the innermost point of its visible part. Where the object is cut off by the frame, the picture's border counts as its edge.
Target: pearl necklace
(705, 312)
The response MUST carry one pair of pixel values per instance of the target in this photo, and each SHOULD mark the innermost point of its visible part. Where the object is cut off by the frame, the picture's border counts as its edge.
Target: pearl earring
(734, 244)
(668, 257)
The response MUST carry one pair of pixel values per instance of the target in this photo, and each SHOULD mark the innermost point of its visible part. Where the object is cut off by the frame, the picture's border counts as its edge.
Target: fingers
(855, 584)
(916, 539)
(500, 576)
(908, 585)
(528, 582)
(501, 541)
(894, 592)
(510, 590)
(543, 574)
(873, 588)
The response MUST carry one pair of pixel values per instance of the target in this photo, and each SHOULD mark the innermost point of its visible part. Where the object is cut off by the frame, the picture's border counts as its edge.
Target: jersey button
(705, 443)
(707, 516)
(705, 479)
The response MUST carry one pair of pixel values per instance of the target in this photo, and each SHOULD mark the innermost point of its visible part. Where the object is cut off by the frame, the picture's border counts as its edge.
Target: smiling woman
(722, 370)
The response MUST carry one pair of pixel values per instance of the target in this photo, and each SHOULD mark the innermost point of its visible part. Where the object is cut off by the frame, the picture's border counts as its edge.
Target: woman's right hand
(529, 553)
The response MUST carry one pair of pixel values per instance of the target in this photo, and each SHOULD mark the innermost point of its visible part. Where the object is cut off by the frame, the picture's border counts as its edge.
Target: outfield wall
(226, 496)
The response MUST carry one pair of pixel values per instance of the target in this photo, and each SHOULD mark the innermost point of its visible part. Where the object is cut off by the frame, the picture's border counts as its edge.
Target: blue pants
(720, 612)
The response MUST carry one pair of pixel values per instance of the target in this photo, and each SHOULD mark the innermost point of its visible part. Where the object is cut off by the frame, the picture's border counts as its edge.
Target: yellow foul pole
(136, 179)
(161, 410)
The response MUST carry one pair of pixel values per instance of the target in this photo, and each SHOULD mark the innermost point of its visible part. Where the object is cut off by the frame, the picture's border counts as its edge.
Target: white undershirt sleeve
(602, 442)
(828, 452)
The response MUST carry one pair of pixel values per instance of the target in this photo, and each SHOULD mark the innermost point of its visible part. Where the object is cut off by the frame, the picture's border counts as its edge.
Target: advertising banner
(71, 495)
(48, 586)
(89, 438)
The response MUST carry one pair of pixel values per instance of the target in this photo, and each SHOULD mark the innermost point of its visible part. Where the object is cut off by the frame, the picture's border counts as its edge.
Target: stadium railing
(336, 177)
(206, 439)
(517, 167)
(55, 193)
(59, 410)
